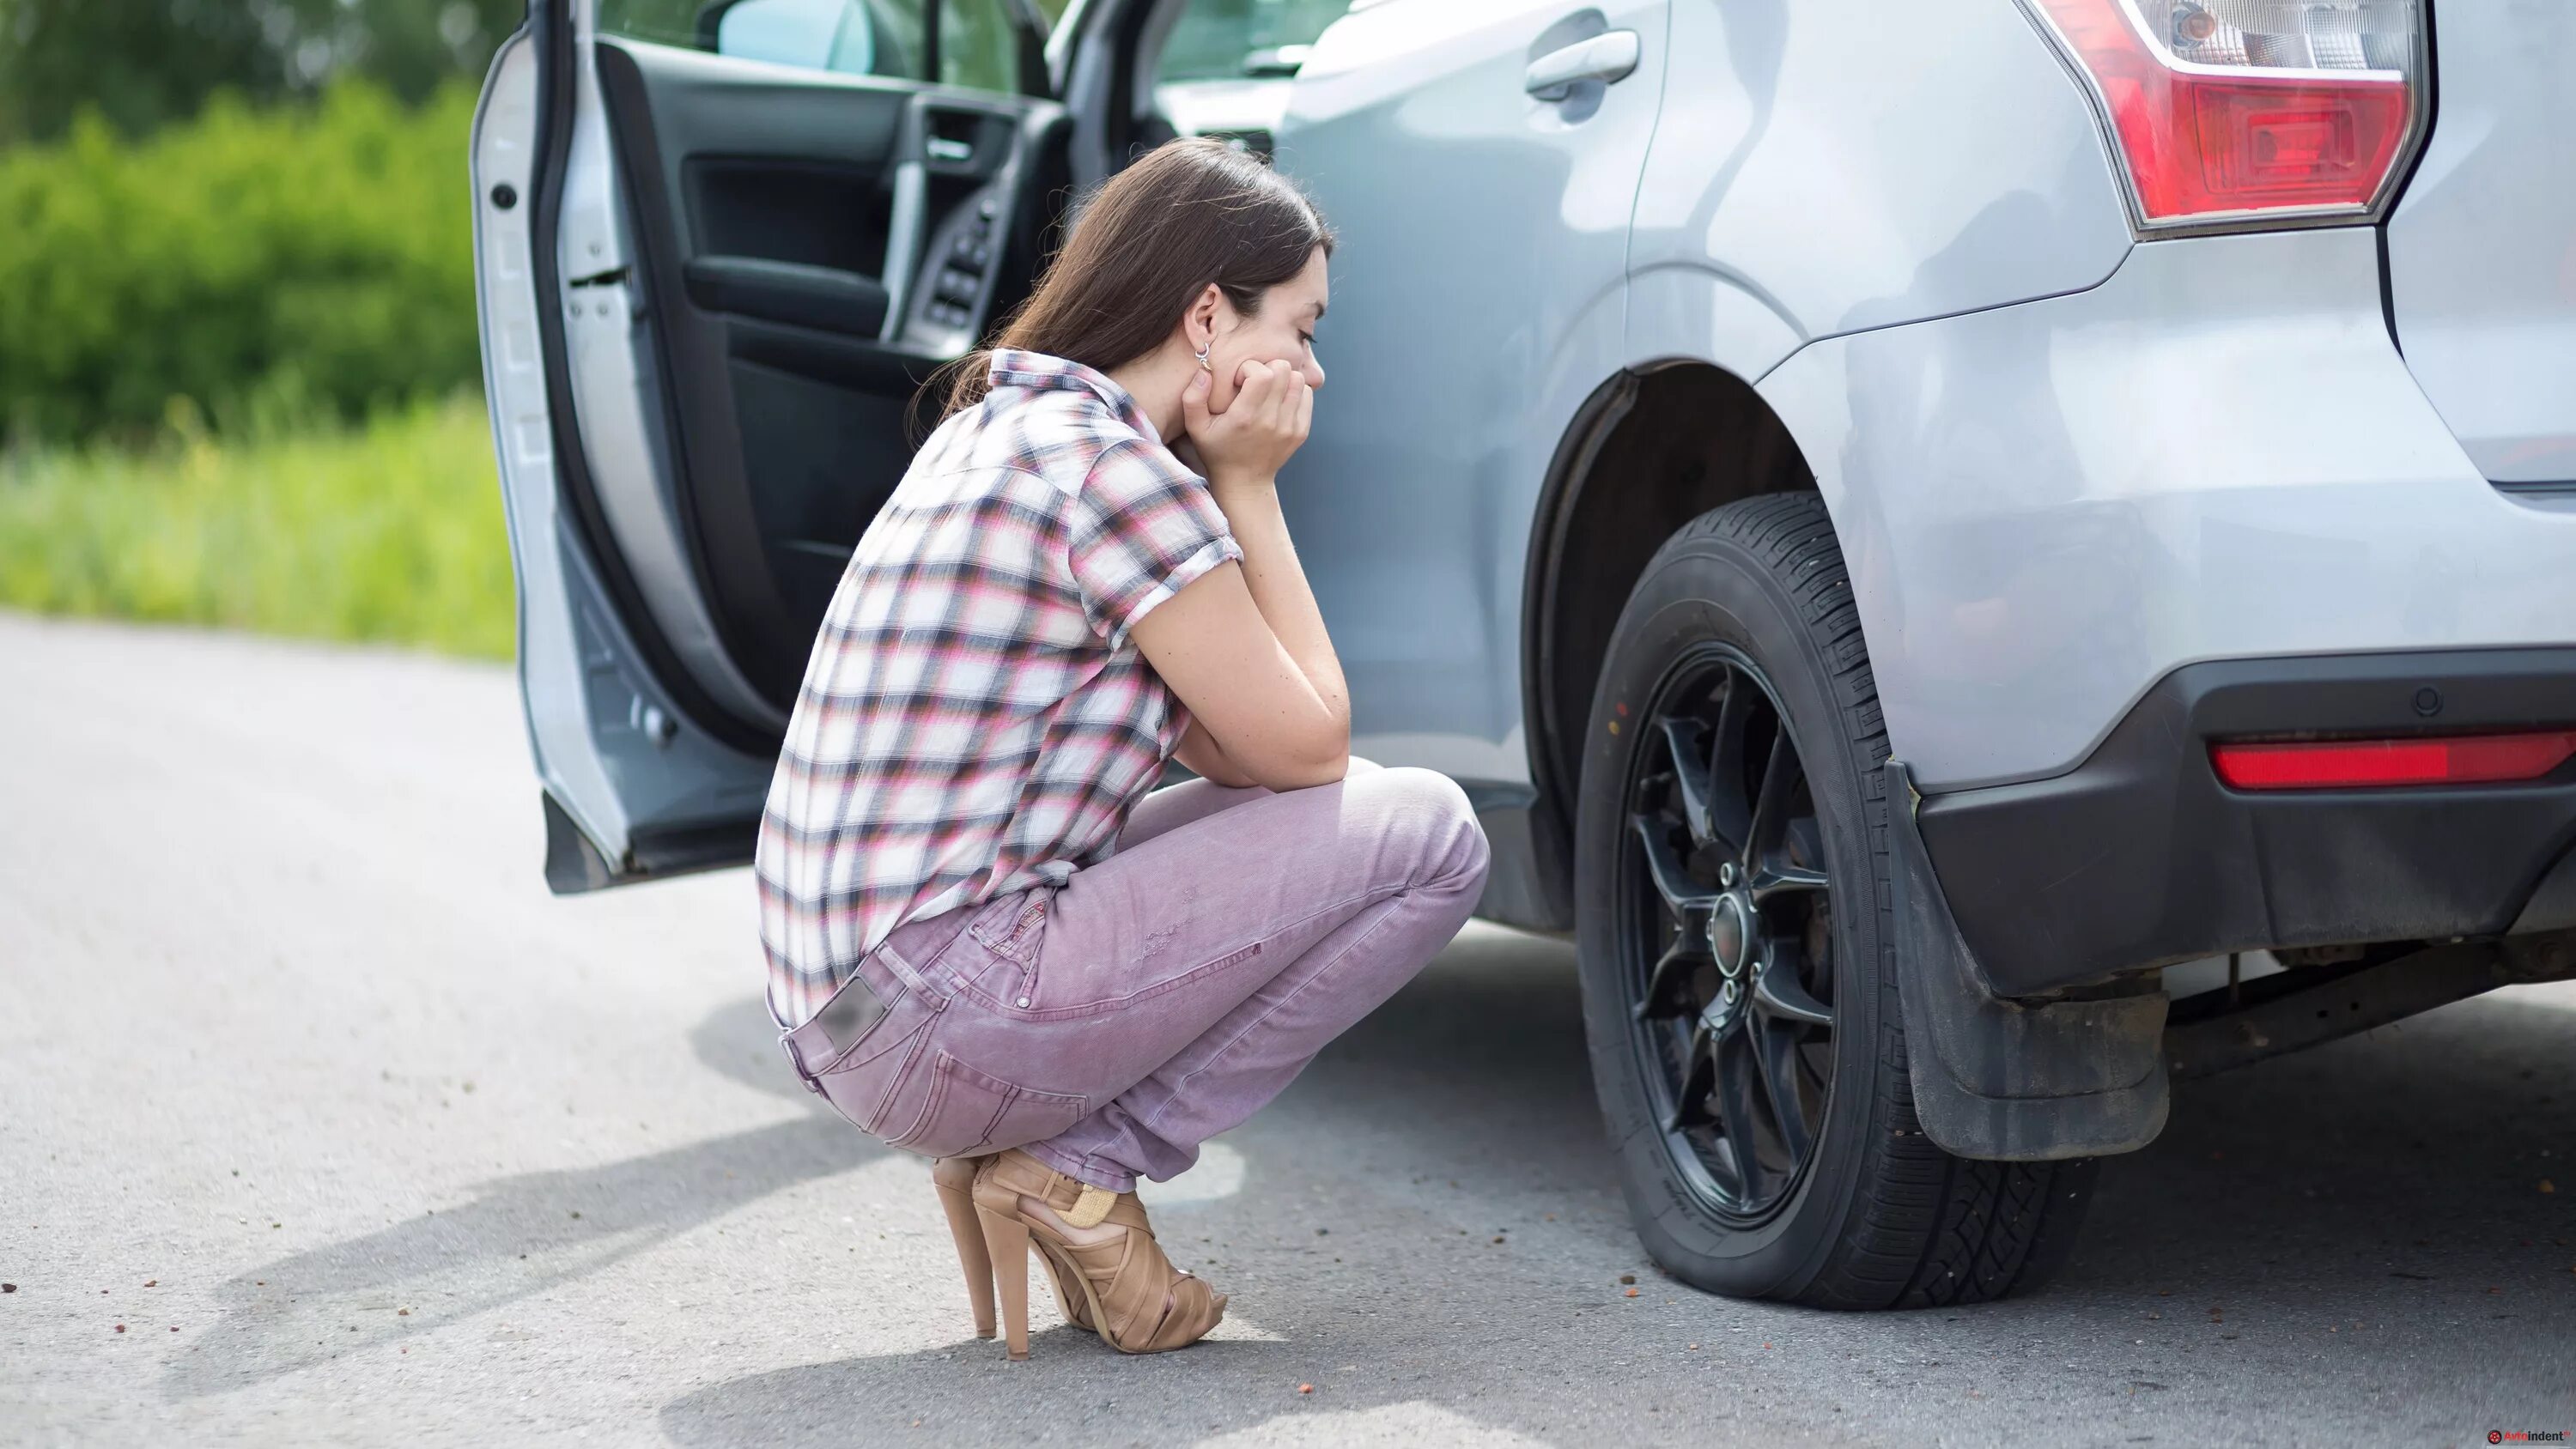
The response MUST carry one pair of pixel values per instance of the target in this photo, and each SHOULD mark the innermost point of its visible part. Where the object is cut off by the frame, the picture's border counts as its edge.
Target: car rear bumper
(2141, 857)
(2218, 454)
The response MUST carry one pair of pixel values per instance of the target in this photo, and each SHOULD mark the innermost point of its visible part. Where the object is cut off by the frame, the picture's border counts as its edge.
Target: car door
(718, 249)
(1480, 161)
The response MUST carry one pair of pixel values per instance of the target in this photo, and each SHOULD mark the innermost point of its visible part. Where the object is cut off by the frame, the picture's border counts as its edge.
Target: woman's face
(1282, 331)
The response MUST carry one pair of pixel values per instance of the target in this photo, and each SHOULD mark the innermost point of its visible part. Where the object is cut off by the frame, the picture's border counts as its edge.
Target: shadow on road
(1391, 1203)
(2391, 1182)
(521, 1234)
(1467, 1098)
(2433, 1153)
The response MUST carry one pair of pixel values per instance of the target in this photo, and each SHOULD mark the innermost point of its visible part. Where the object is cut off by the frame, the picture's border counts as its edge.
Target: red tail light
(2422, 760)
(2250, 110)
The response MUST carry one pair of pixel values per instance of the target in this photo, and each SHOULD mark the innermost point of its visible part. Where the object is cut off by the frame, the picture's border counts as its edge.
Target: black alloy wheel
(1731, 936)
(1740, 961)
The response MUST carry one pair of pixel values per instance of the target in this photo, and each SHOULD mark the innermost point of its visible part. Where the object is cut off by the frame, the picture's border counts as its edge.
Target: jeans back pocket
(863, 1080)
(964, 1111)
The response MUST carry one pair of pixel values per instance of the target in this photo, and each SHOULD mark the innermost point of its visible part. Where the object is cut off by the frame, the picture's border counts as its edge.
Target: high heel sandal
(954, 1178)
(1135, 1299)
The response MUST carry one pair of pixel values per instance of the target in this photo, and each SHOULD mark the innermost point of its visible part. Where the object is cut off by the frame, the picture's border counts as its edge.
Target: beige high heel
(1135, 1298)
(954, 1178)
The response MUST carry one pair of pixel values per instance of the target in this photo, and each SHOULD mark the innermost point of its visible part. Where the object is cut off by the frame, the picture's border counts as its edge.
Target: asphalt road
(361, 1137)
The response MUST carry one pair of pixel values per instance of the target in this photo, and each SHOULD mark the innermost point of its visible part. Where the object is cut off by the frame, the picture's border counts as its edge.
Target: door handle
(1608, 58)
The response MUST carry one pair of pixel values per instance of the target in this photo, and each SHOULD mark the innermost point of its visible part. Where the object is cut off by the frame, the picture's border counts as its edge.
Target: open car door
(718, 248)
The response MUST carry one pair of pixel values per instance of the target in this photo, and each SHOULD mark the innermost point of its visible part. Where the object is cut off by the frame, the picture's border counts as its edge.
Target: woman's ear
(1198, 322)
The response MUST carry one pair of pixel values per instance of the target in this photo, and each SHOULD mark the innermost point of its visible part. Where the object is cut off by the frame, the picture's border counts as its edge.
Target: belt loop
(796, 1061)
(902, 969)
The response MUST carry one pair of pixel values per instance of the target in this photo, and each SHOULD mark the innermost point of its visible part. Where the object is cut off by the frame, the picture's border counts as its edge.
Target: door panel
(772, 200)
(629, 789)
(694, 133)
(1478, 299)
(702, 340)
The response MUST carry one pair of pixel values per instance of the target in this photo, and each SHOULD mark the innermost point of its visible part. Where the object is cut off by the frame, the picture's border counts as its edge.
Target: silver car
(1980, 558)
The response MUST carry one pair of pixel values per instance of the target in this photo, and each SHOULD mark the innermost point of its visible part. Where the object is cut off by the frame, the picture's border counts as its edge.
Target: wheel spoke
(1730, 814)
(1776, 1063)
(1780, 774)
(1690, 1105)
(1778, 875)
(1804, 842)
(1786, 867)
(1690, 775)
(1736, 1110)
(1777, 993)
(1681, 894)
(1663, 998)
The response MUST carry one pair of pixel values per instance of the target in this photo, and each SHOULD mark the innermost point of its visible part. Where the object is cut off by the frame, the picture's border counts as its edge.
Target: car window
(978, 45)
(1231, 39)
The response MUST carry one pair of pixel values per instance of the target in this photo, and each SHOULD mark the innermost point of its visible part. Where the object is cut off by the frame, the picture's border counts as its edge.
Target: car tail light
(2248, 112)
(2419, 760)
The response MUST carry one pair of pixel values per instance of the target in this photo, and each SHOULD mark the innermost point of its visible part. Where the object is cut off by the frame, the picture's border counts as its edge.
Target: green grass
(390, 532)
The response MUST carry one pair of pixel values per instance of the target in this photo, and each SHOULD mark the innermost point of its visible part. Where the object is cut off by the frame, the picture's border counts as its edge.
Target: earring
(1203, 362)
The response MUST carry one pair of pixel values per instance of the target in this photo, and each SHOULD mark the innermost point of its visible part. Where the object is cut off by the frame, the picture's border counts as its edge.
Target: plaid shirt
(974, 719)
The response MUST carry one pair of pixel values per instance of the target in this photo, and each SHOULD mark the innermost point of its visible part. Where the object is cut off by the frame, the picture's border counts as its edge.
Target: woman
(987, 942)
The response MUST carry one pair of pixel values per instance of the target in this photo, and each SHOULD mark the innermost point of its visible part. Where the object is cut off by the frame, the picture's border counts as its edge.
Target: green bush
(390, 532)
(286, 261)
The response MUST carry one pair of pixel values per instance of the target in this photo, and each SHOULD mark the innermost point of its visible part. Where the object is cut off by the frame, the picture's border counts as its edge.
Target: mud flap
(1994, 1078)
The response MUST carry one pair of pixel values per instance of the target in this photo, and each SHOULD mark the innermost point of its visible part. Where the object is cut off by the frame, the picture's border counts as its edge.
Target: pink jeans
(1157, 998)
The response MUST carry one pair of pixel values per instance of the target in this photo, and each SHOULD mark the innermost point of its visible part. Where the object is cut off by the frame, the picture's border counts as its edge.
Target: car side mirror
(837, 35)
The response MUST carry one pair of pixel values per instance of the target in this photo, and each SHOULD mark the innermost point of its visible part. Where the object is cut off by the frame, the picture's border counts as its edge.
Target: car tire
(1799, 1172)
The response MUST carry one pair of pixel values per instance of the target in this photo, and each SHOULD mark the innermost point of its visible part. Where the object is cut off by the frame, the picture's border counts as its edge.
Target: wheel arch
(1656, 445)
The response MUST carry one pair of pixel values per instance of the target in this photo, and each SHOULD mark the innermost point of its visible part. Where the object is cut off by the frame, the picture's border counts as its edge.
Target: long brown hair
(1145, 244)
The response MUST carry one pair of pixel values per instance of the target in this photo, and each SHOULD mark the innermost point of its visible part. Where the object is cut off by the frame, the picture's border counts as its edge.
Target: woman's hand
(1273, 408)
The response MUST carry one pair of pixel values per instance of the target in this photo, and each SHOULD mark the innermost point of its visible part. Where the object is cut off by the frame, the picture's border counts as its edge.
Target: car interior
(818, 230)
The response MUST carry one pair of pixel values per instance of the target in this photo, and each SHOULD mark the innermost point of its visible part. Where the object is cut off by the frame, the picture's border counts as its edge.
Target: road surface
(361, 1137)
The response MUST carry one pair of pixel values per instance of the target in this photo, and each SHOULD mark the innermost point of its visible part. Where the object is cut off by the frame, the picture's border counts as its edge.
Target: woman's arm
(1244, 645)
(1211, 645)
(1272, 413)
(1278, 584)
(1207, 760)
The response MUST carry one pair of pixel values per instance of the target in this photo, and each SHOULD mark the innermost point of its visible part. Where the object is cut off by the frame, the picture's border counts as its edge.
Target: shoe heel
(1006, 1241)
(954, 1177)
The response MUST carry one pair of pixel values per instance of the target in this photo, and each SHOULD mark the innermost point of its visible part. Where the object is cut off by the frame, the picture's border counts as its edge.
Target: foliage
(143, 64)
(304, 258)
(391, 532)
